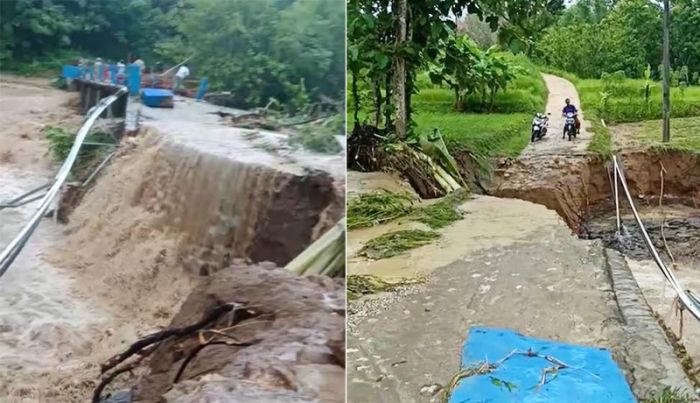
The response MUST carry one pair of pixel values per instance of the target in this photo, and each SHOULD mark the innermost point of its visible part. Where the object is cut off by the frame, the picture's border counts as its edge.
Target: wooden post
(667, 72)
(400, 72)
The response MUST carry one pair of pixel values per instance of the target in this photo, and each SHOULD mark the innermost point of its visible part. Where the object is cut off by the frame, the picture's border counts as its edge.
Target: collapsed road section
(532, 267)
(181, 238)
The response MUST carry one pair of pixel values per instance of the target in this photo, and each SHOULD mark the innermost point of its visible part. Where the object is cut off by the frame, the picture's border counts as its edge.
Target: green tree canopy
(289, 50)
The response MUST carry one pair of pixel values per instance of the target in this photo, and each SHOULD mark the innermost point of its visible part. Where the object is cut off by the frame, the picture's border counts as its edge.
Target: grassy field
(685, 135)
(502, 133)
(627, 103)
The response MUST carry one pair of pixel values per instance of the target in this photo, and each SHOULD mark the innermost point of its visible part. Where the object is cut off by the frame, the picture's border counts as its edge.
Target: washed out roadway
(510, 264)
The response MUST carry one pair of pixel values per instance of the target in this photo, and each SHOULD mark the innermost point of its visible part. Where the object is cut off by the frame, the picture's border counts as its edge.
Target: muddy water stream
(682, 234)
(42, 323)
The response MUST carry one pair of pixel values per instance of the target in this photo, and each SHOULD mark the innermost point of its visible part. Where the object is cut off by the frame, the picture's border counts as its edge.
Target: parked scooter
(569, 126)
(540, 124)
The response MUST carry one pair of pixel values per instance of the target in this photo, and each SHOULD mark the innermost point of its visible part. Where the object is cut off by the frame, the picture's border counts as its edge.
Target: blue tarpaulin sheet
(593, 375)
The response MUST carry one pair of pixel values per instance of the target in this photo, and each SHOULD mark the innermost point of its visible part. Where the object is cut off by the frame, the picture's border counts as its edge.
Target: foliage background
(289, 50)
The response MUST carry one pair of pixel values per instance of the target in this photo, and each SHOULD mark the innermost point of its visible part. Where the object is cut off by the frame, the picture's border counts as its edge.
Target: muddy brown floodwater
(681, 237)
(180, 203)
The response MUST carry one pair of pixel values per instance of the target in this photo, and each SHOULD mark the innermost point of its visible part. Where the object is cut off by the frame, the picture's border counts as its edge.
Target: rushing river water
(39, 317)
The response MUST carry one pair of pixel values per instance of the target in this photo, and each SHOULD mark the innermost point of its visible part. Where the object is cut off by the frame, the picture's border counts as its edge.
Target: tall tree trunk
(666, 135)
(409, 74)
(399, 67)
(355, 100)
(387, 100)
(377, 102)
(409, 92)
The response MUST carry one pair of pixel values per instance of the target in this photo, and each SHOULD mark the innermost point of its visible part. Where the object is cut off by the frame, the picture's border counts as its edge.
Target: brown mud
(295, 330)
(161, 217)
(578, 186)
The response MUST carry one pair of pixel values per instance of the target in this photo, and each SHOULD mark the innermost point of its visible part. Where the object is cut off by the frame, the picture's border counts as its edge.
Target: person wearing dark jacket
(569, 108)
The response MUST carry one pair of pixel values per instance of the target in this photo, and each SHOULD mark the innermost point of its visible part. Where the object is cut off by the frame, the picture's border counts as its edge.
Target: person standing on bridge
(182, 73)
(98, 67)
(121, 72)
(140, 63)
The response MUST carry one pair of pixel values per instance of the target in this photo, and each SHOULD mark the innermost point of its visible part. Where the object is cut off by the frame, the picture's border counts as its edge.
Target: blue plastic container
(157, 98)
(203, 85)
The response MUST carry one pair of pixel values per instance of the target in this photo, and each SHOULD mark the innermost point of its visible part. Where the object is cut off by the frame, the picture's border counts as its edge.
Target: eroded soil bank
(163, 216)
(578, 186)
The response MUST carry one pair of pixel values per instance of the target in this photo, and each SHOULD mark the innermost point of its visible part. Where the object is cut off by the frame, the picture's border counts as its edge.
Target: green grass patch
(376, 208)
(685, 135)
(61, 142)
(503, 133)
(626, 102)
(526, 93)
(486, 135)
(443, 213)
(601, 143)
(363, 284)
(670, 395)
(316, 138)
(394, 243)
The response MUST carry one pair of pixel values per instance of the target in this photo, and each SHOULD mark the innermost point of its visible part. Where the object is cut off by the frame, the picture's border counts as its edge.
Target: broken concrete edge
(649, 361)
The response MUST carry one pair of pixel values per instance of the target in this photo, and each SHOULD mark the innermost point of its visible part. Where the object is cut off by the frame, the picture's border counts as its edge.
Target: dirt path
(559, 90)
(541, 281)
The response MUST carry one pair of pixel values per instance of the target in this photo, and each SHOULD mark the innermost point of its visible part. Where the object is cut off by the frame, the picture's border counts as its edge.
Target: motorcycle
(540, 124)
(569, 126)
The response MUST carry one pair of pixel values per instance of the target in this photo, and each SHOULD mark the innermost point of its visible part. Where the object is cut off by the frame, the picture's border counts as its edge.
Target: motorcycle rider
(569, 108)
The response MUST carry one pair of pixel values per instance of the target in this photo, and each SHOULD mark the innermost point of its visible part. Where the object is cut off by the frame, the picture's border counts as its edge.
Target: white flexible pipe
(9, 254)
(683, 296)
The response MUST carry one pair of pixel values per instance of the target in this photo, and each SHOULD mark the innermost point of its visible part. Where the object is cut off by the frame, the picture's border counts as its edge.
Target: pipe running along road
(9, 254)
(689, 301)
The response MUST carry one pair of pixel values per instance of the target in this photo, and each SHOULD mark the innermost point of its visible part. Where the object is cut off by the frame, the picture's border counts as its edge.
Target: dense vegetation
(289, 50)
(443, 50)
(498, 133)
(604, 36)
(457, 78)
